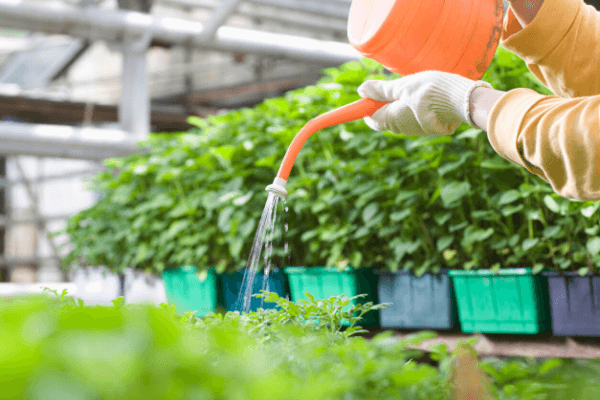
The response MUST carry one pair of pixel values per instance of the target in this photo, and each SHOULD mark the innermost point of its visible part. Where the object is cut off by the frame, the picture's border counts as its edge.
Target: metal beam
(219, 16)
(134, 105)
(42, 223)
(65, 141)
(303, 19)
(338, 10)
(110, 25)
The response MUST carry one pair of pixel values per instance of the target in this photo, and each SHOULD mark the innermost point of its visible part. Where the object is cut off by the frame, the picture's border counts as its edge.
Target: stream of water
(263, 238)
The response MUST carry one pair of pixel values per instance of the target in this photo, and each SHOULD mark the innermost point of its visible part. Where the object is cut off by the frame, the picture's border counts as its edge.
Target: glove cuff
(457, 90)
(467, 103)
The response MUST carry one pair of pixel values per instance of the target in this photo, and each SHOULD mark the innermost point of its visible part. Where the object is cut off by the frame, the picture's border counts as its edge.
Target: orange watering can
(406, 37)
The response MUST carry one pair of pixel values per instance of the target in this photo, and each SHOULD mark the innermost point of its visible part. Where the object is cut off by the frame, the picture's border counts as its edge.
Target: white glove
(423, 104)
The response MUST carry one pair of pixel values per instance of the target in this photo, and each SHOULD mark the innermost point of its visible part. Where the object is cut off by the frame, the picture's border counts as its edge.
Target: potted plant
(573, 274)
(458, 213)
(196, 197)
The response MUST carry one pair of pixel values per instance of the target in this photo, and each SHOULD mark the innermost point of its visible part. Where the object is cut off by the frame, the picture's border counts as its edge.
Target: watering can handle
(350, 112)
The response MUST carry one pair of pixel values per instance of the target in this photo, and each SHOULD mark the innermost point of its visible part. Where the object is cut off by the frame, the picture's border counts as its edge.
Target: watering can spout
(350, 112)
(278, 187)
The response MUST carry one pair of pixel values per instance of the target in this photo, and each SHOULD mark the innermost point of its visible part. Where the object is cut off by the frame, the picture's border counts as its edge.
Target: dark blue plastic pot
(425, 302)
(574, 303)
(232, 287)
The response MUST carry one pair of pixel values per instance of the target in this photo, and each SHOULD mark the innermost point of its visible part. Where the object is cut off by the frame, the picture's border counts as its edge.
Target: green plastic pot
(324, 282)
(189, 290)
(514, 301)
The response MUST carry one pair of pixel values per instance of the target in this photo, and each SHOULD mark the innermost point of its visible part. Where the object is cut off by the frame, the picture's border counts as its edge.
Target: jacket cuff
(504, 123)
(543, 34)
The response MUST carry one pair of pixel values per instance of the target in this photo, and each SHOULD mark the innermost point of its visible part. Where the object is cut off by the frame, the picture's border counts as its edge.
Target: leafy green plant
(356, 197)
(60, 349)
(328, 315)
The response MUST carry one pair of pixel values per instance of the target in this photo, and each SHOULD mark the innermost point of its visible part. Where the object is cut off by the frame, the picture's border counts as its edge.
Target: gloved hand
(425, 103)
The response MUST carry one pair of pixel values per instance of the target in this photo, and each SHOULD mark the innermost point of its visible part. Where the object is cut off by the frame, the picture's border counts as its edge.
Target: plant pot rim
(322, 270)
(273, 270)
(487, 272)
(409, 271)
(568, 273)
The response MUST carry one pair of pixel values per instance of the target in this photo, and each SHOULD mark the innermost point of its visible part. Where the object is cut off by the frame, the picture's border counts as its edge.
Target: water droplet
(286, 227)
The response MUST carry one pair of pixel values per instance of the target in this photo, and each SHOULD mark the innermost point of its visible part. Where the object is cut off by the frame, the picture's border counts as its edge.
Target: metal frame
(134, 32)
(271, 12)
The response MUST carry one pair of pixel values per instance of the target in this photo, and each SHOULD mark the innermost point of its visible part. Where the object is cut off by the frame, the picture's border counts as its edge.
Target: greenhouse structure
(137, 138)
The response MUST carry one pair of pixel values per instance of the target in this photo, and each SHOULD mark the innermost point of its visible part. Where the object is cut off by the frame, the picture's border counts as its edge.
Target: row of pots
(514, 301)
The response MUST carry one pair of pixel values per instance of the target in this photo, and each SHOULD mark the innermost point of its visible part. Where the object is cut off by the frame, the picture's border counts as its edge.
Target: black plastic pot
(424, 302)
(574, 303)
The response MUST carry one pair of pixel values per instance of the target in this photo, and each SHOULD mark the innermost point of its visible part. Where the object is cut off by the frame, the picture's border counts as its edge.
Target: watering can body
(410, 36)
(407, 37)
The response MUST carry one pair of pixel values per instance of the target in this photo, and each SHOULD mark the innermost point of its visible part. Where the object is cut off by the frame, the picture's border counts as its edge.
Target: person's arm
(526, 10)
(481, 102)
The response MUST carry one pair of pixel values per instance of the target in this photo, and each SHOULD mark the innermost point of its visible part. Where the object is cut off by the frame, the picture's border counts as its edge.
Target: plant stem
(421, 223)
(181, 192)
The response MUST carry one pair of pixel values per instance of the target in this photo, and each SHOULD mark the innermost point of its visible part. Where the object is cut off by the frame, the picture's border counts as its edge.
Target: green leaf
(551, 231)
(537, 268)
(176, 228)
(434, 196)
(495, 163)
(441, 219)
(472, 235)
(306, 236)
(592, 231)
(495, 268)
(593, 245)
(402, 248)
(550, 364)
(551, 204)
(456, 227)
(235, 246)
(448, 167)
(369, 212)
(454, 191)
(534, 214)
(403, 195)
(529, 243)
(590, 210)
(444, 242)
(510, 210)
(224, 222)
(400, 215)
(583, 271)
(472, 133)
(509, 196)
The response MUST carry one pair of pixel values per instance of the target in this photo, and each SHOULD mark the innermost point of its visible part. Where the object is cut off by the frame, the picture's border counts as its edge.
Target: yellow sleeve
(555, 137)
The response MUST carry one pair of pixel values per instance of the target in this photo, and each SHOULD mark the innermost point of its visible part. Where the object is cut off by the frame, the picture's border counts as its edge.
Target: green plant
(356, 197)
(328, 314)
(63, 349)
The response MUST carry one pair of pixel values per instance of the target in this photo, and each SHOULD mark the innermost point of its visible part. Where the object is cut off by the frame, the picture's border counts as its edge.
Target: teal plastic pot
(514, 301)
(324, 282)
(188, 290)
(425, 302)
(232, 288)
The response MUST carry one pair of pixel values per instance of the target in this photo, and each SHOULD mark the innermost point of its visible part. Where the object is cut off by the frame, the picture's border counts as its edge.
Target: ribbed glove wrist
(423, 104)
(455, 91)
